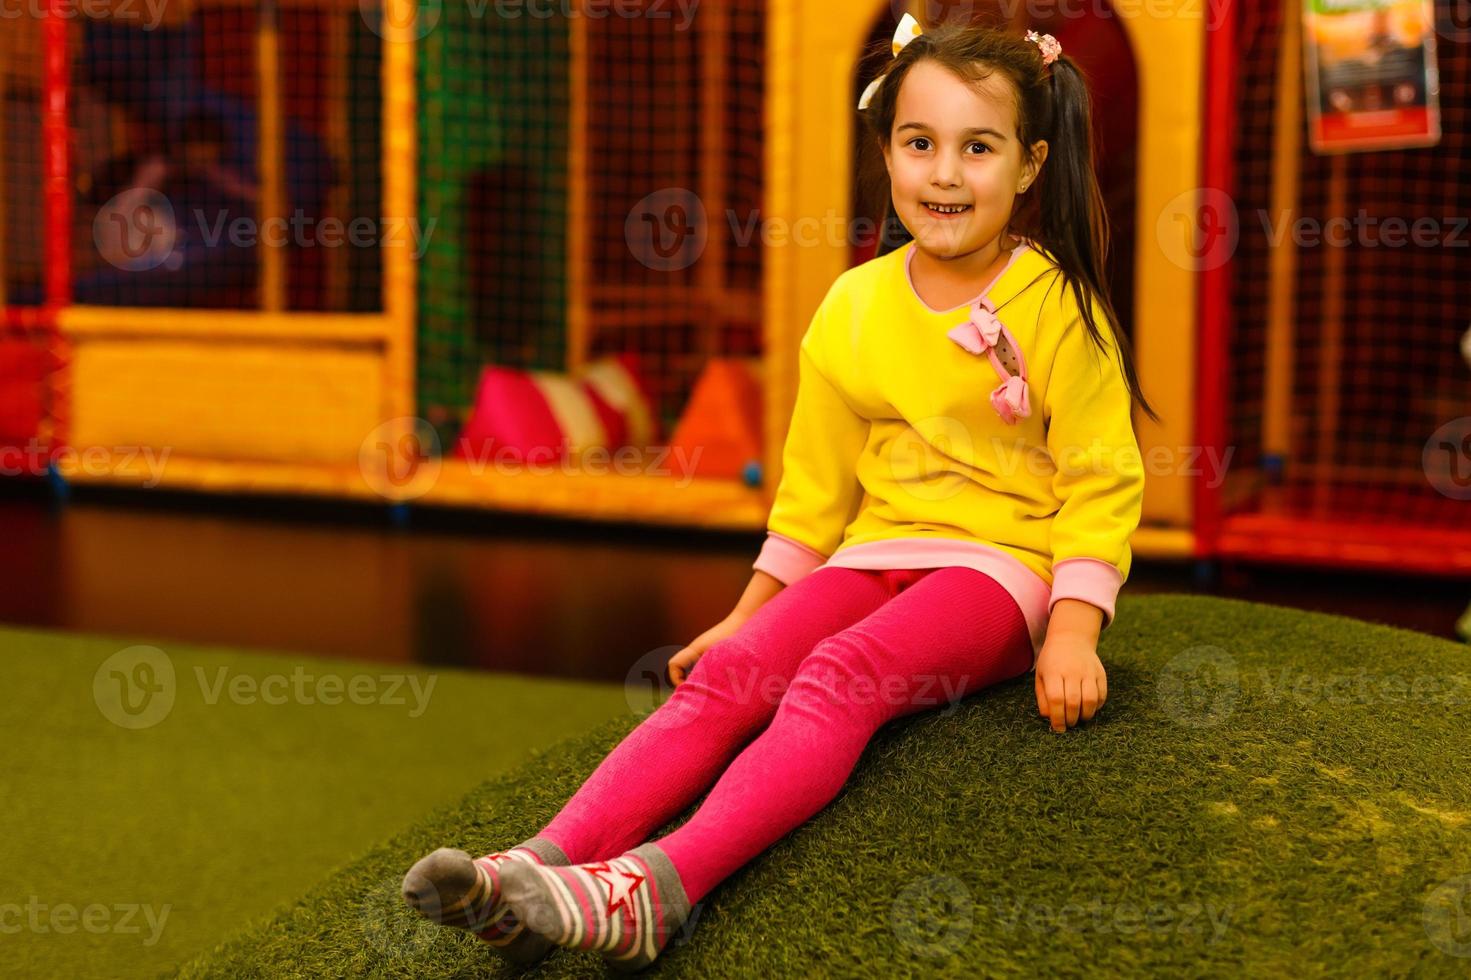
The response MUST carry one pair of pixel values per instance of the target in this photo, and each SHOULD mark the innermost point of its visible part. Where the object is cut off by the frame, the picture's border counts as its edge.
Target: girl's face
(954, 145)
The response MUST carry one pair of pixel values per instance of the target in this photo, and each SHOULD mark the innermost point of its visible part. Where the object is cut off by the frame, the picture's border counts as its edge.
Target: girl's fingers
(1090, 697)
(1057, 703)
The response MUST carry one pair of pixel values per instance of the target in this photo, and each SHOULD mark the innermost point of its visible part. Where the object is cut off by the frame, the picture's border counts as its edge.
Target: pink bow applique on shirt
(981, 332)
(979, 335)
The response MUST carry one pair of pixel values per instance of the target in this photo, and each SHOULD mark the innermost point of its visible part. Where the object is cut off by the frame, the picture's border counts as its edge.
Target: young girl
(928, 531)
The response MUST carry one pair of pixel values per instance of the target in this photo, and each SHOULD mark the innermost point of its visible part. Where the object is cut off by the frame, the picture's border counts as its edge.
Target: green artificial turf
(125, 851)
(1267, 792)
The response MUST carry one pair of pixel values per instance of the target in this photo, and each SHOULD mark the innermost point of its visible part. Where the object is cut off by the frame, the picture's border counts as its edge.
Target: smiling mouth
(946, 209)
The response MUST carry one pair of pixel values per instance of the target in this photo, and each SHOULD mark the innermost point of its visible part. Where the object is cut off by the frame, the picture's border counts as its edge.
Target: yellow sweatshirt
(994, 435)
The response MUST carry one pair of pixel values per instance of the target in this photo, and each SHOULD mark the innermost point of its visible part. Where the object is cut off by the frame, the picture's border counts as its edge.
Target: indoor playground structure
(413, 258)
(582, 240)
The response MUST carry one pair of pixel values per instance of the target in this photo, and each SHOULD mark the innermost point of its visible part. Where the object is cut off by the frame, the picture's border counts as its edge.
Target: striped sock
(626, 908)
(451, 888)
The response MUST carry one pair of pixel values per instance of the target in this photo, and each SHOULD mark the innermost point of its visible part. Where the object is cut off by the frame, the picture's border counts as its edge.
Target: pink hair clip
(1047, 44)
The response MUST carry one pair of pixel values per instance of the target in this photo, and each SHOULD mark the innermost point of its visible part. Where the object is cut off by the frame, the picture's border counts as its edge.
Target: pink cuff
(1089, 579)
(787, 560)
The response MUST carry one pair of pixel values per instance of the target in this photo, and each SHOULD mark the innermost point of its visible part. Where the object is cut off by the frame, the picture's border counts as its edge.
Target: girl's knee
(731, 678)
(841, 678)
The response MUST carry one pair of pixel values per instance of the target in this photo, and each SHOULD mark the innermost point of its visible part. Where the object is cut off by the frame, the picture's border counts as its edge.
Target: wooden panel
(234, 400)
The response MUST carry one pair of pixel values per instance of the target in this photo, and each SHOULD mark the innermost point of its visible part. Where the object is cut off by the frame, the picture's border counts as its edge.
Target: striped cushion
(541, 415)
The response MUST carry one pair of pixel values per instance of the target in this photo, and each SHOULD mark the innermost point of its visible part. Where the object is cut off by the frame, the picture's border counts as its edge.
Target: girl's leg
(659, 768)
(663, 765)
(947, 633)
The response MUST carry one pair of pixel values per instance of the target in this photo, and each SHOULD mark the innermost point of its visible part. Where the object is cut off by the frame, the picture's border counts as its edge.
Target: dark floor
(465, 588)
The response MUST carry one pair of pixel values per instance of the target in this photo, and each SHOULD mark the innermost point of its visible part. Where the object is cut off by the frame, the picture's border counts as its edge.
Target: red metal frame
(56, 136)
(1335, 538)
(1212, 299)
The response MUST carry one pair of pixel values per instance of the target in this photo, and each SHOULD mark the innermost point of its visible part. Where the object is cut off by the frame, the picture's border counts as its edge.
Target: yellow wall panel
(226, 400)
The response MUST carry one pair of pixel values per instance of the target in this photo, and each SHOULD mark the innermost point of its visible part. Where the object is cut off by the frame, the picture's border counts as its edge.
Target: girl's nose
(947, 171)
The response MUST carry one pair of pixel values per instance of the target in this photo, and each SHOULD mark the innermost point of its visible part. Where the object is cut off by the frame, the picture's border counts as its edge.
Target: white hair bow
(907, 31)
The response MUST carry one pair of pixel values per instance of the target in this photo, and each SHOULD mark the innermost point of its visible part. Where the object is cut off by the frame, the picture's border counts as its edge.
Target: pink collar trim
(909, 277)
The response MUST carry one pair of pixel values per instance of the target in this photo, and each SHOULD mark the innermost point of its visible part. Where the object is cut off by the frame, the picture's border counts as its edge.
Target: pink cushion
(535, 415)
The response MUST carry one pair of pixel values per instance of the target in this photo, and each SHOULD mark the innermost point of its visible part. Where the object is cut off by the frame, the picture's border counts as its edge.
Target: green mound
(1266, 792)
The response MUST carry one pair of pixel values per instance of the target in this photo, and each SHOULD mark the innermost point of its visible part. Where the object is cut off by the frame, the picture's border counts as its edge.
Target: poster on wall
(1372, 82)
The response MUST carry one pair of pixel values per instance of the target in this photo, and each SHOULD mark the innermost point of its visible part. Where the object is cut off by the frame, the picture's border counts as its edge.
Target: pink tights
(806, 681)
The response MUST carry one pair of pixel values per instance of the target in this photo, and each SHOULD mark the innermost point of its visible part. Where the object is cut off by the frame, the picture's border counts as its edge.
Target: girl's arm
(819, 492)
(758, 591)
(1100, 482)
(1099, 476)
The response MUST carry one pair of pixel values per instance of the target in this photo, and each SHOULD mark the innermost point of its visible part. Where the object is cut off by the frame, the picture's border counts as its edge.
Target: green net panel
(667, 133)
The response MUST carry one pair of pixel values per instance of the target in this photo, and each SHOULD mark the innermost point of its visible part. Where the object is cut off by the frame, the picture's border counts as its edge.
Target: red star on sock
(621, 886)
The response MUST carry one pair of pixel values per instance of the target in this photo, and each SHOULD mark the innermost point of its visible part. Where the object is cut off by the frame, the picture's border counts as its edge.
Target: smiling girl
(930, 533)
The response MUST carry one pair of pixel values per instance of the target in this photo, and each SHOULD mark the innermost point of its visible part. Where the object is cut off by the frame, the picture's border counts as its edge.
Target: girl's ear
(1033, 166)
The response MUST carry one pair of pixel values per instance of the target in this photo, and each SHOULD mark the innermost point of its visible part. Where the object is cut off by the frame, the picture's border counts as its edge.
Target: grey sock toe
(439, 881)
(524, 892)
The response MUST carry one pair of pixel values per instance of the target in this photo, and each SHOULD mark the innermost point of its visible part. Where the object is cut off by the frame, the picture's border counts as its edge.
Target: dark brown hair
(1064, 212)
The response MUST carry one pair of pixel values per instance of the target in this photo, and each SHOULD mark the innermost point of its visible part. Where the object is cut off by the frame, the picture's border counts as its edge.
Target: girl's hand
(1070, 680)
(683, 662)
